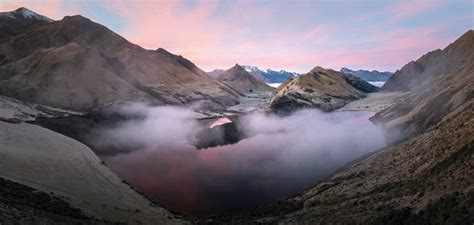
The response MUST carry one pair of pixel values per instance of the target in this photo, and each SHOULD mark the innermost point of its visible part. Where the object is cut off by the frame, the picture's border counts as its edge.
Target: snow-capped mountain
(24, 13)
(269, 75)
(367, 75)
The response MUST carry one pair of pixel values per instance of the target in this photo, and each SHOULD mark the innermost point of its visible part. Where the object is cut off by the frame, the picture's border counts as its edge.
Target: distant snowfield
(275, 85)
(377, 83)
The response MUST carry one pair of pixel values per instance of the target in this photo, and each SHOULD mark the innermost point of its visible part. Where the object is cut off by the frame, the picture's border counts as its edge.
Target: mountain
(426, 177)
(442, 84)
(77, 64)
(432, 65)
(241, 80)
(269, 75)
(367, 75)
(20, 20)
(215, 73)
(321, 88)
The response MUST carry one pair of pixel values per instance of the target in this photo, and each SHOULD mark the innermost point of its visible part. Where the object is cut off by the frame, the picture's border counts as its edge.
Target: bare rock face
(77, 64)
(321, 88)
(239, 79)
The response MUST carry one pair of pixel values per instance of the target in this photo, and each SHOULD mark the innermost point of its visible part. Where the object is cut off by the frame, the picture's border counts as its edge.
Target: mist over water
(282, 156)
(377, 83)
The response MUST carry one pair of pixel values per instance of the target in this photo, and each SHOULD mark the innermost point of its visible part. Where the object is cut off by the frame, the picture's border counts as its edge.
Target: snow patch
(275, 85)
(377, 83)
(26, 13)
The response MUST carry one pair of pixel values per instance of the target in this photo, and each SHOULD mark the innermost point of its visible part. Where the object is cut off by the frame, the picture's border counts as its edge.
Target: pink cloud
(251, 33)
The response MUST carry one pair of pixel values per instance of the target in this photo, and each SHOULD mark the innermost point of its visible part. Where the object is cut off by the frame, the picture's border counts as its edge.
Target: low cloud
(282, 156)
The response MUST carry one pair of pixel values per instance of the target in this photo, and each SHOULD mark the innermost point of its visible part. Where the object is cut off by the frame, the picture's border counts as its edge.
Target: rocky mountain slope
(424, 178)
(269, 75)
(77, 64)
(367, 75)
(320, 88)
(447, 86)
(241, 80)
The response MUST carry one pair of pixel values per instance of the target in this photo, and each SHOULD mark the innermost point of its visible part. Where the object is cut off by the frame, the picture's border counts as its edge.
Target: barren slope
(51, 162)
(77, 64)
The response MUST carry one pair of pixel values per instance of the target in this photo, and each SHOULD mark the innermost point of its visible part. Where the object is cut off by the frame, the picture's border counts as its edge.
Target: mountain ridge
(432, 64)
(321, 88)
(93, 52)
(239, 79)
(269, 75)
(367, 75)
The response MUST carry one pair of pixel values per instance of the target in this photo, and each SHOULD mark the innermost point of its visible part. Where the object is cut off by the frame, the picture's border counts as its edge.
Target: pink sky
(292, 35)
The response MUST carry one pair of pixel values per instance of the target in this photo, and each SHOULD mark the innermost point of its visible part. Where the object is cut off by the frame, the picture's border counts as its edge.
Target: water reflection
(282, 157)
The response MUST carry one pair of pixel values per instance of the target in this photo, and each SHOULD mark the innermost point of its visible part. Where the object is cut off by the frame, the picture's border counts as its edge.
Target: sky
(294, 35)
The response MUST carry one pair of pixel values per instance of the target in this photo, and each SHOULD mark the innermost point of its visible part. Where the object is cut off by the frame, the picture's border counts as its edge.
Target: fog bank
(282, 156)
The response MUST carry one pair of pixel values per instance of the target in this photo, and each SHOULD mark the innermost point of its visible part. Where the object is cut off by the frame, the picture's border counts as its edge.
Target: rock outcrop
(321, 88)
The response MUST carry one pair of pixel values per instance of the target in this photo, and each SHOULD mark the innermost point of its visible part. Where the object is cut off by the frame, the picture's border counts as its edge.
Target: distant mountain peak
(237, 66)
(318, 69)
(351, 70)
(240, 79)
(269, 75)
(24, 13)
(368, 75)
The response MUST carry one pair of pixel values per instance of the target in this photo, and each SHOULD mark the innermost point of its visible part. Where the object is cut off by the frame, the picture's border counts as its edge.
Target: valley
(95, 129)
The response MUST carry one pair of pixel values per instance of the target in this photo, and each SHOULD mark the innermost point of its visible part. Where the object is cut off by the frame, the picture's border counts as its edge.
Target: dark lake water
(283, 156)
